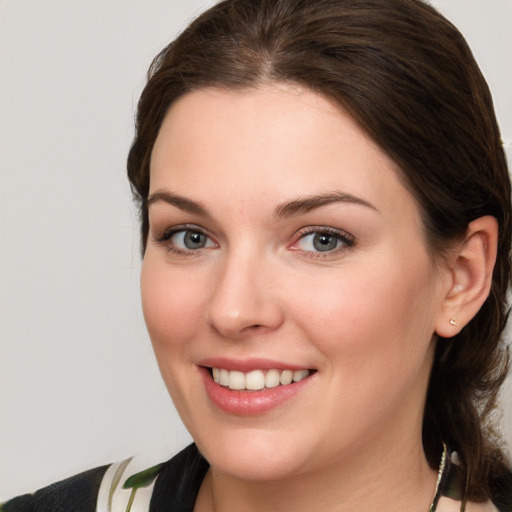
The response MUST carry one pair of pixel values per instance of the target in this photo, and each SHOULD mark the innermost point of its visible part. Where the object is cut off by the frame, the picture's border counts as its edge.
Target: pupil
(323, 242)
(194, 240)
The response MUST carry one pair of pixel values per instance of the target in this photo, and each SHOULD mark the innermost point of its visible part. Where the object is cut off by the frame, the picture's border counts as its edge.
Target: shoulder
(481, 507)
(502, 490)
(452, 489)
(118, 486)
(76, 494)
(449, 505)
(173, 485)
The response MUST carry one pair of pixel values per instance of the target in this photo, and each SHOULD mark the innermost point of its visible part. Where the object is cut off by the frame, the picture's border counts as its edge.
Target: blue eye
(186, 239)
(323, 241)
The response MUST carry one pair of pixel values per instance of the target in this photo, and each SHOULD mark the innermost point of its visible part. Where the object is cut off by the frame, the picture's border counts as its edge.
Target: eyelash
(345, 239)
(165, 239)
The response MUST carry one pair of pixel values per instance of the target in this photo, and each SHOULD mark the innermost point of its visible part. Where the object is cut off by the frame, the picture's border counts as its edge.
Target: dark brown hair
(408, 78)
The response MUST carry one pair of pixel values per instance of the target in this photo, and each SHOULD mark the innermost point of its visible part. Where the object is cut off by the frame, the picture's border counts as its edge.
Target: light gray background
(78, 382)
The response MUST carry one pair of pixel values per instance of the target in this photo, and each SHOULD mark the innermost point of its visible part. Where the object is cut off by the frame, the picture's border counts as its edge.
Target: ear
(471, 267)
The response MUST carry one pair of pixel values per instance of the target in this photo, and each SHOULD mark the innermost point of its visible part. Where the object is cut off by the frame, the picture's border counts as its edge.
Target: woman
(325, 218)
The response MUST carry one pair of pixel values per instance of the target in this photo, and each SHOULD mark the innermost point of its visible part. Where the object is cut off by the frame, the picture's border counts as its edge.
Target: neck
(393, 478)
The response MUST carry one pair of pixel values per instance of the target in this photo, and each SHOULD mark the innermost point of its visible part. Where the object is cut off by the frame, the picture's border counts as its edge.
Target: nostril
(232, 315)
(255, 327)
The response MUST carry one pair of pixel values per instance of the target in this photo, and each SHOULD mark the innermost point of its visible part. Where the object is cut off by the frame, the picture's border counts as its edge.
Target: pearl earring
(453, 322)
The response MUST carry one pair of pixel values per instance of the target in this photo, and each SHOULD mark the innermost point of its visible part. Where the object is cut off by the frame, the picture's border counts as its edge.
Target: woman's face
(282, 244)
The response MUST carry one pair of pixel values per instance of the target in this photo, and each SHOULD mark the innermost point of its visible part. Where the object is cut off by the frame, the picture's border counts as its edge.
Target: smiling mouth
(257, 380)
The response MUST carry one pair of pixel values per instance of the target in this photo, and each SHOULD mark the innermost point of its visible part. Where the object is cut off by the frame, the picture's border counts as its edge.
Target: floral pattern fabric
(174, 486)
(136, 492)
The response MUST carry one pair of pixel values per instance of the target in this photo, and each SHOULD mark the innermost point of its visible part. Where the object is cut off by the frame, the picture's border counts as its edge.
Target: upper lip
(248, 365)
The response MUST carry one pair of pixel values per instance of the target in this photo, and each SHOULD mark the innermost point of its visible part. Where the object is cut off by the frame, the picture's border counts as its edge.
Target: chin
(254, 455)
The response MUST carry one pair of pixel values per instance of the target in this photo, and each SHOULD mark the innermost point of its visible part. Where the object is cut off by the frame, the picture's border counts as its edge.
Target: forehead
(261, 121)
(274, 142)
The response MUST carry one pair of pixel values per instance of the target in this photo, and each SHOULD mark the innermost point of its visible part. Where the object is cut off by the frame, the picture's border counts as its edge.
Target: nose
(244, 299)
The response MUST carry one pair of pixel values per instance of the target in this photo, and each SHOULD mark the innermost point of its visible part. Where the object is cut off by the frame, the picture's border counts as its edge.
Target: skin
(362, 315)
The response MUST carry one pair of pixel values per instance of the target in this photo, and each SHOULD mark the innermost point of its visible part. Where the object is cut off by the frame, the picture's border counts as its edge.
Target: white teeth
(236, 380)
(286, 377)
(272, 379)
(257, 379)
(224, 378)
(298, 375)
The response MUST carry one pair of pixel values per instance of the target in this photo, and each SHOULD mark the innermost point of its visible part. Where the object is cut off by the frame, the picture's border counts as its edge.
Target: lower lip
(249, 403)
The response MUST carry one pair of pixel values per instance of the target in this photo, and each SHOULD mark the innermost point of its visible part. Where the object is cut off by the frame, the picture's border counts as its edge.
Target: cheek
(172, 304)
(374, 331)
(369, 312)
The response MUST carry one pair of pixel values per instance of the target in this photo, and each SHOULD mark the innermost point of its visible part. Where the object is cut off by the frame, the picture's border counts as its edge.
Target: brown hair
(408, 78)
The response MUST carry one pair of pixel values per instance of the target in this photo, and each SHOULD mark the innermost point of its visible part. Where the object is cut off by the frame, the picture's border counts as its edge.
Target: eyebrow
(308, 203)
(180, 202)
(284, 210)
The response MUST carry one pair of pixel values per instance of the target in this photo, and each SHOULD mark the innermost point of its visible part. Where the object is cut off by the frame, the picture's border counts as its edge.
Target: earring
(453, 322)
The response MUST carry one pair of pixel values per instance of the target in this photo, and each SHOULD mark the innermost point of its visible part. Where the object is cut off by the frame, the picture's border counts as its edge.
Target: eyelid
(169, 231)
(346, 238)
(165, 238)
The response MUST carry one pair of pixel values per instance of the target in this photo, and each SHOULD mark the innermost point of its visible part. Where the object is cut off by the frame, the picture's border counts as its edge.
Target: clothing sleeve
(76, 494)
